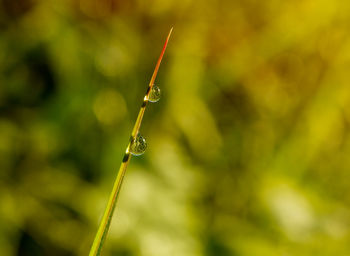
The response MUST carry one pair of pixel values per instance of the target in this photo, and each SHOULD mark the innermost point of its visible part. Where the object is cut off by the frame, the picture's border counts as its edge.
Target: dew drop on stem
(154, 94)
(138, 145)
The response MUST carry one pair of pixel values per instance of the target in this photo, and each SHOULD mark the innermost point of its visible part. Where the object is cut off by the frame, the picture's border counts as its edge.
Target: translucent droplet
(154, 95)
(138, 146)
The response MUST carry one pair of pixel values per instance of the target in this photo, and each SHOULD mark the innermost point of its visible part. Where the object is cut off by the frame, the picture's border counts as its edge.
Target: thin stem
(108, 214)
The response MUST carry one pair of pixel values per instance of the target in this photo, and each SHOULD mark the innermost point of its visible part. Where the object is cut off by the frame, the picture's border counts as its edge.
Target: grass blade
(108, 214)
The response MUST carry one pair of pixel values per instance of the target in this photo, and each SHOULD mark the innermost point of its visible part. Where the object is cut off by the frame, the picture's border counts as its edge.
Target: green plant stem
(108, 213)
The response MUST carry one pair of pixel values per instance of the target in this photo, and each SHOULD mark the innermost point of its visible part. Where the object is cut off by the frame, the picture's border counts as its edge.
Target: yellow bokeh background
(248, 148)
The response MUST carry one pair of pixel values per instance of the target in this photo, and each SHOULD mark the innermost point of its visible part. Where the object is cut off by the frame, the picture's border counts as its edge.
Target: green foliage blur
(248, 149)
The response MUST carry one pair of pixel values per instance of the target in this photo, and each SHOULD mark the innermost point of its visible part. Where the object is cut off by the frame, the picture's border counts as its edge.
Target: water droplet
(154, 95)
(138, 146)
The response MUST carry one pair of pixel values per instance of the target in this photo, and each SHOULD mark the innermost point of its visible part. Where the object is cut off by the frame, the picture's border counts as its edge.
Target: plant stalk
(108, 213)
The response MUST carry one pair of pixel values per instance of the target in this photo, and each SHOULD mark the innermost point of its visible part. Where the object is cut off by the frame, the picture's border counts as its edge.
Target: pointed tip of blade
(166, 42)
(171, 30)
(159, 60)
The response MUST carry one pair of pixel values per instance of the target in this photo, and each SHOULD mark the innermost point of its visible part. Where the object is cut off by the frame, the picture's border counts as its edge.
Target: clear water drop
(138, 146)
(154, 95)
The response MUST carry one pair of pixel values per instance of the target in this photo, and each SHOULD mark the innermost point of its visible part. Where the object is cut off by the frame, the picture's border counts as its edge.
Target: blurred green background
(248, 147)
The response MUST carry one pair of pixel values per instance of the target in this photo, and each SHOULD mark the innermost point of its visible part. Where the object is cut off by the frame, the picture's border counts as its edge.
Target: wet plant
(137, 146)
